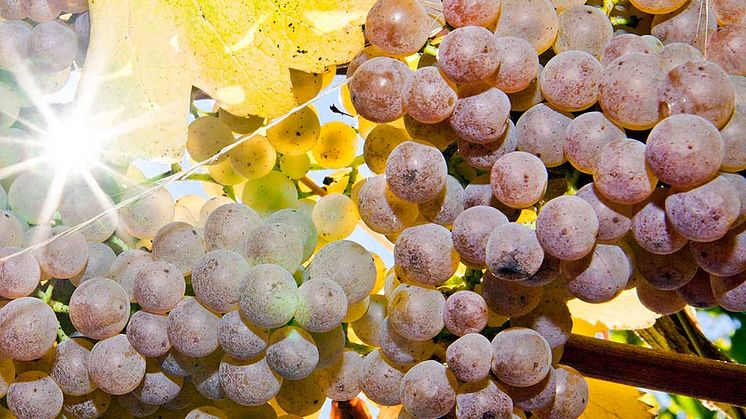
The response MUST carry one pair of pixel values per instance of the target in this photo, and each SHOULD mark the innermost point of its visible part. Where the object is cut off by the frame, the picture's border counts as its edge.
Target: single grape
(689, 25)
(292, 353)
(652, 228)
(570, 80)
(465, 312)
(250, 382)
(600, 276)
(677, 53)
(416, 313)
(722, 257)
(380, 379)
(100, 259)
(483, 156)
(239, 338)
(19, 275)
(295, 134)
(483, 399)
(148, 333)
(481, 118)
(400, 350)
(217, 278)
(621, 174)
(378, 89)
(70, 367)
(302, 223)
(368, 327)
(666, 272)
(330, 344)
(207, 135)
(269, 296)
(535, 397)
(398, 28)
(92, 405)
(228, 225)
(460, 13)
(425, 254)
(583, 28)
(541, 131)
(533, 20)
(81, 204)
(335, 216)
(625, 90)
(300, 397)
(205, 375)
(570, 398)
(270, 193)
(253, 158)
(114, 366)
(411, 164)
(518, 65)
(193, 329)
(428, 390)
(468, 54)
(52, 46)
(429, 98)
(158, 287)
(273, 243)
(733, 135)
(663, 302)
(341, 381)
(623, 44)
(472, 229)
(336, 146)
(34, 395)
(157, 387)
(730, 291)
(518, 179)
(614, 220)
(520, 357)
(99, 308)
(513, 252)
(698, 292)
(379, 143)
(322, 305)
(11, 229)
(509, 298)
(65, 256)
(180, 244)
(146, 215)
(567, 227)
(704, 213)
(349, 265)
(295, 167)
(466, 357)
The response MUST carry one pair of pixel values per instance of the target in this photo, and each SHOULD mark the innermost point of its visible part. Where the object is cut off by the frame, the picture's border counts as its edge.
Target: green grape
(297, 133)
(302, 223)
(253, 158)
(270, 193)
(368, 327)
(335, 217)
(208, 135)
(295, 167)
(336, 146)
(300, 397)
(269, 296)
(240, 124)
(225, 174)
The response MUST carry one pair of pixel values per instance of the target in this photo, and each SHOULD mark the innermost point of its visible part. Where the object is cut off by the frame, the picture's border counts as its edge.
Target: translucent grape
(379, 143)
(625, 90)
(34, 395)
(570, 80)
(19, 275)
(368, 327)
(378, 88)
(145, 216)
(64, 257)
(148, 333)
(733, 135)
(482, 399)
(534, 397)
(429, 98)
(99, 308)
(254, 158)
(52, 46)
(336, 145)
(69, 369)
(401, 350)
(570, 398)
(224, 174)
(663, 302)
(698, 292)
(704, 213)
(623, 44)
(460, 13)
(466, 357)
(567, 227)
(250, 382)
(723, 257)
(180, 244)
(677, 53)
(541, 131)
(621, 173)
(425, 254)
(157, 387)
(322, 305)
(583, 28)
(11, 229)
(158, 287)
(428, 390)
(667, 272)
(518, 179)
(397, 27)
(341, 381)
(533, 20)
(551, 319)
(521, 357)
(193, 329)
(381, 210)
(348, 264)
(114, 366)
(481, 118)
(217, 278)
(207, 135)
(335, 216)
(700, 88)
(100, 260)
(300, 397)
(295, 167)
(730, 292)
(295, 134)
(586, 135)
(658, 7)
(468, 54)
(444, 209)
(411, 164)
(600, 276)
(416, 313)
(273, 243)
(330, 344)
(614, 220)
(269, 297)
(270, 193)
(518, 65)
(91, 405)
(380, 379)
(508, 298)
(292, 353)
(302, 223)
(688, 25)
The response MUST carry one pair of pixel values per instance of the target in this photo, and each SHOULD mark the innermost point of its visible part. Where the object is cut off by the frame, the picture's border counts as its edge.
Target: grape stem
(59, 307)
(61, 335)
(316, 189)
(653, 369)
(46, 295)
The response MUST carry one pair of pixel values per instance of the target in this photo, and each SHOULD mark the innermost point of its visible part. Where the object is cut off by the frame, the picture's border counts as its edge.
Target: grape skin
(145, 216)
(465, 312)
(533, 20)
(460, 13)
(614, 220)
(99, 308)
(300, 397)
(158, 287)
(733, 135)
(206, 136)
(228, 225)
(90, 405)
(335, 216)
(239, 338)
(444, 209)
(296, 134)
(726, 48)
(148, 333)
(34, 395)
(100, 260)
(520, 357)
(621, 174)
(416, 313)
(730, 292)
(429, 98)
(571, 395)
(551, 318)
(249, 382)
(583, 28)
(416, 172)
(729, 12)
(687, 25)
(481, 118)
(157, 387)
(180, 244)
(518, 65)
(676, 54)
(12, 10)
(623, 44)
(537, 396)
(424, 254)
(658, 7)
(253, 158)
(468, 54)
(217, 278)
(428, 390)
(400, 350)
(519, 179)
(667, 272)
(652, 228)
(64, 257)
(302, 223)
(19, 275)
(466, 357)
(586, 135)
(698, 292)
(663, 302)
(336, 145)
(567, 227)
(541, 131)
(472, 229)
(483, 156)
(322, 305)
(114, 366)
(379, 143)
(570, 81)
(192, 328)
(600, 276)
(11, 230)
(397, 27)
(508, 298)
(69, 369)
(331, 345)
(292, 353)
(377, 89)
(348, 264)
(52, 46)
(530, 96)
(341, 381)
(270, 193)
(704, 213)
(273, 243)
(513, 252)
(380, 379)
(368, 327)
(722, 257)
(625, 91)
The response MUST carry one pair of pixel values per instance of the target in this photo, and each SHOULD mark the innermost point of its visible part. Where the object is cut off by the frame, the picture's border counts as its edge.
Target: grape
(148, 334)
(330, 344)
(482, 399)
(483, 156)
(429, 98)
(465, 312)
(518, 179)
(16, 36)
(730, 292)
(228, 225)
(145, 216)
(400, 350)
(269, 296)
(513, 252)
(295, 134)
(416, 313)
(125, 267)
(368, 327)
(217, 278)
(567, 227)
(398, 28)
(336, 146)
(40, 10)
(349, 265)
(571, 395)
(676, 54)
(176, 363)
(658, 7)
(114, 366)
(157, 387)
(733, 135)
(250, 382)
(379, 143)
(378, 89)
(425, 254)
(652, 228)
(586, 135)
(207, 135)
(471, 230)
(723, 257)
(621, 174)
(411, 164)
(689, 25)
(100, 260)
(99, 308)
(253, 158)
(704, 213)
(700, 88)
(626, 88)
(29, 193)
(133, 406)
(295, 167)
(158, 287)
(8, 375)
(537, 396)
(273, 243)
(623, 44)
(529, 97)
(533, 20)
(321, 305)
(729, 12)
(341, 381)
(52, 46)
(428, 390)
(380, 379)
(205, 375)
(600, 276)
(698, 292)
(518, 65)
(64, 257)
(69, 369)
(34, 395)
(11, 230)
(300, 397)
(270, 193)
(19, 275)
(466, 357)
(335, 216)
(570, 81)
(460, 13)
(88, 406)
(206, 412)
(663, 302)
(70, 6)
(521, 357)
(235, 410)
(551, 319)
(192, 328)
(583, 28)
(482, 118)
(548, 272)
(614, 220)
(239, 338)
(667, 272)
(12, 10)
(357, 310)
(444, 209)
(508, 298)
(468, 54)
(292, 353)
(541, 131)
(180, 244)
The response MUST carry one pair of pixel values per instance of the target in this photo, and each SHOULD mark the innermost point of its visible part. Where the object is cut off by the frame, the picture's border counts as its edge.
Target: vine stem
(670, 372)
(312, 186)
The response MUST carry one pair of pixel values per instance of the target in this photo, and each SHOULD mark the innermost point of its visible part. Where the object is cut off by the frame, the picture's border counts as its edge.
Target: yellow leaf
(625, 312)
(611, 400)
(145, 56)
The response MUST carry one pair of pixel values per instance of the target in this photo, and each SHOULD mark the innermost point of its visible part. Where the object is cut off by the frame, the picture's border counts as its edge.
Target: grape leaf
(145, 56)
(625, 312)
(610, 400)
